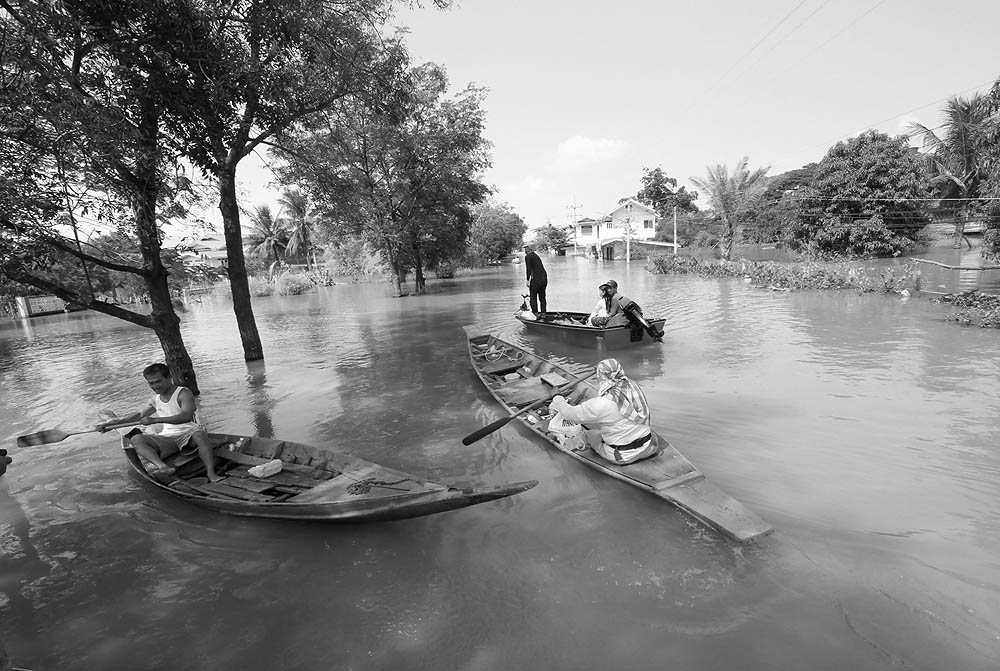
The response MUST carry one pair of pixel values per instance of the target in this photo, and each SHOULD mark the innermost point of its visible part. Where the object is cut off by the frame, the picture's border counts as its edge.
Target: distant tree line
(868, 196)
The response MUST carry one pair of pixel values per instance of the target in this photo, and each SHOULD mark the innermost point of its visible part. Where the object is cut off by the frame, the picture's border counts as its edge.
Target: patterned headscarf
(626, 394)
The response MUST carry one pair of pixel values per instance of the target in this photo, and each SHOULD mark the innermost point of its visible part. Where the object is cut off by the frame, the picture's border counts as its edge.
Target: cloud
(579, 152)
(528, 185)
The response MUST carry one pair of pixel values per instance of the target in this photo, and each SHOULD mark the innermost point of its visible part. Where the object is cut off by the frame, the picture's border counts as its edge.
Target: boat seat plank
(501, 366)
(280, 478)
(521, 392)
(251, 460)
(250, 484)
(235, 492)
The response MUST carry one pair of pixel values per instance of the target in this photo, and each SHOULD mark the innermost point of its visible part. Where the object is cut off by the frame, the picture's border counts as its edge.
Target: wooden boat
(314, 484)
(519, 380)
(572, 328)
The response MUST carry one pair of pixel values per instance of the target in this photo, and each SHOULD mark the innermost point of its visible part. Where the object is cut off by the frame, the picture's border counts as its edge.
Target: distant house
(209, 249)
(630, 220)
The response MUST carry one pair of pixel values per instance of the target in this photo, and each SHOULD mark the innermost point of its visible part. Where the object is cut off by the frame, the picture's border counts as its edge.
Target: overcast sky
(583, 95)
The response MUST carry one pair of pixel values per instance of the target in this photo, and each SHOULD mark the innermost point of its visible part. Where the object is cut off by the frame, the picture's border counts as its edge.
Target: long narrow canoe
(572, 328)
(314, 484)
(517, 379)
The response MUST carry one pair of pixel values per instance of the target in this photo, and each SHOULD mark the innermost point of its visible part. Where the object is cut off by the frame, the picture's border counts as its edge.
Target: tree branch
(956, 267)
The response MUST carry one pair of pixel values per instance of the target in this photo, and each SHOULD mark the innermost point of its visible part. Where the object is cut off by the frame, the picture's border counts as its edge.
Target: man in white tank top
(173, 410)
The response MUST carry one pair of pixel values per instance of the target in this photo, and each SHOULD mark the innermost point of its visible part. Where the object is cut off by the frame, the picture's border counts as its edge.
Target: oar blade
(485, 431)
(42, 438)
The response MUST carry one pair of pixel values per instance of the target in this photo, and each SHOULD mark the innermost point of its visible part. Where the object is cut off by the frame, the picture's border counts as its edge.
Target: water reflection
(860, 426)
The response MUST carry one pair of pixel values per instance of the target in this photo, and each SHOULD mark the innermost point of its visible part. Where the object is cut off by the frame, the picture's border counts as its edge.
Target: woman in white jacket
(619, 411)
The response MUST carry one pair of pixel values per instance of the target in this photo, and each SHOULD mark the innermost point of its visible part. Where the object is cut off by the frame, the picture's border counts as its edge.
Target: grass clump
(797, 275)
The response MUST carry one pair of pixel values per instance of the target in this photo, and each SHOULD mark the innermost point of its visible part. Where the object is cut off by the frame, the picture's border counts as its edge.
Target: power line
(800, 61)
(786, 36)
(749, 51)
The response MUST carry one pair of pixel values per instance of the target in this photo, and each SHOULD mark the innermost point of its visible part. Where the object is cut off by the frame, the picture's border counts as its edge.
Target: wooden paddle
(55, 435)
(490, 428)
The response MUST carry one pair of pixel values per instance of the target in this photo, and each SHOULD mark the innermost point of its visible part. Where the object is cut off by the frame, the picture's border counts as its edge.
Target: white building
(631, 220)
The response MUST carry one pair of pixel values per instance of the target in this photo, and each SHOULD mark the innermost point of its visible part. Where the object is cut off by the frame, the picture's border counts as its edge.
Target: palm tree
(296, 206)
(267, 236)
(731, 195)
(958, 155)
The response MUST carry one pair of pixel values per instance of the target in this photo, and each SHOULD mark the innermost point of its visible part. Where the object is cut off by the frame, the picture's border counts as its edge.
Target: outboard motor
(639, 324)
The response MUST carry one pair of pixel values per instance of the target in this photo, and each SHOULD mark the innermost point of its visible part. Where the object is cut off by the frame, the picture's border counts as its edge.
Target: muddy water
(864, 428)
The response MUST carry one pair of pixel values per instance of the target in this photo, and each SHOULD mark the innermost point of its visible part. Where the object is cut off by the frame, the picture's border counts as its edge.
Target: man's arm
(134, 418)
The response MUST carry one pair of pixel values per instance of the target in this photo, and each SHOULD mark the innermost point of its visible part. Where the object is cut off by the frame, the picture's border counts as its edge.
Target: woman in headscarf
(619, 411)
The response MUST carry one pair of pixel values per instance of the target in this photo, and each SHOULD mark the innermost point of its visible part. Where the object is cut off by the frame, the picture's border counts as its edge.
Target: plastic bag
(570, 436)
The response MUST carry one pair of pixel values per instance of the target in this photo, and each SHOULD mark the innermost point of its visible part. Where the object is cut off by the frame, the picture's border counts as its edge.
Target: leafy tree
(959, 155)
(496, 232)
(550, 237)
(661, 193)
(295, 204)
(732, 195)
(239, 74)
(772, 216)
(991, 187)
(268, 237)
(81, 112)
(403, 175)
(863, 201)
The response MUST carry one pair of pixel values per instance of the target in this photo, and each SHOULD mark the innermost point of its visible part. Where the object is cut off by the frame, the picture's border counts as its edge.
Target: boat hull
(669, 475)
(314, 484)
(579, 335)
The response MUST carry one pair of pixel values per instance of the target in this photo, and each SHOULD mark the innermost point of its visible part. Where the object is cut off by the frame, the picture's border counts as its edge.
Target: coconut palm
(267, 236)
(732, 195)
(958, 154)
(295, 206)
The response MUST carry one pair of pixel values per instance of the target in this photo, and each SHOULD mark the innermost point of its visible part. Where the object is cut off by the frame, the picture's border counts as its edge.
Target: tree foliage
(81, 122)
(403, 175)
(863, 201)
(661, 193)
(550, 237)
(496, 232)
(732, 195)
(960, 155)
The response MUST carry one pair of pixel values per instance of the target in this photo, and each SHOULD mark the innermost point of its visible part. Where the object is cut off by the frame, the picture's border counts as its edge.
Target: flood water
(864, 428)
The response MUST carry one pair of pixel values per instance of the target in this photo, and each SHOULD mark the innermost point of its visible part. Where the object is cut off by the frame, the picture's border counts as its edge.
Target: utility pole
(675, 230)
(574, 207)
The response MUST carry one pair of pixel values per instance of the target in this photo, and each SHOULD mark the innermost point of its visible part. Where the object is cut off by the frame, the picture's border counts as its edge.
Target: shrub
(800, 275)
(292, 284)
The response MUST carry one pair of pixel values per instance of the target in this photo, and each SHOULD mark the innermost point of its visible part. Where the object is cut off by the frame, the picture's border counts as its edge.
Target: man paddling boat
(173, 407)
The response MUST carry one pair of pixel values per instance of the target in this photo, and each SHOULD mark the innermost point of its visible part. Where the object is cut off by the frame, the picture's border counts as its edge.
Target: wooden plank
(554, 379)
(235, 492)
(251, 460)
(524, 391)
(501, 366)
(281, 478)
(249, 484)
(717, 509)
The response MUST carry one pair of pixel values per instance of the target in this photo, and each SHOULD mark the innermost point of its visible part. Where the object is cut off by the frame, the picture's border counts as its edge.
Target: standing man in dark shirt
(537, 279)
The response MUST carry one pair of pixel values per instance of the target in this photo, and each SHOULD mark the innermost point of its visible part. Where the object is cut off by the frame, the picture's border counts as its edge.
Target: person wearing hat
(536, 278)
(619, 413)
(608, 311)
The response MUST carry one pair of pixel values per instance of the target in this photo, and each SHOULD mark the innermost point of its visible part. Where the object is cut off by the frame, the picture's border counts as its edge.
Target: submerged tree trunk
(419, 282)
(961, 214)
(726, 243)
(163, 318)
(237, 268)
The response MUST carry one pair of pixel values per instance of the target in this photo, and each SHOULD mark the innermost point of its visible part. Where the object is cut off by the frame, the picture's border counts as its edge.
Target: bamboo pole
(943, 265)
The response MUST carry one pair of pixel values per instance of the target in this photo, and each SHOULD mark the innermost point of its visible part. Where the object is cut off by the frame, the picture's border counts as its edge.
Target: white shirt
(602, 413)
